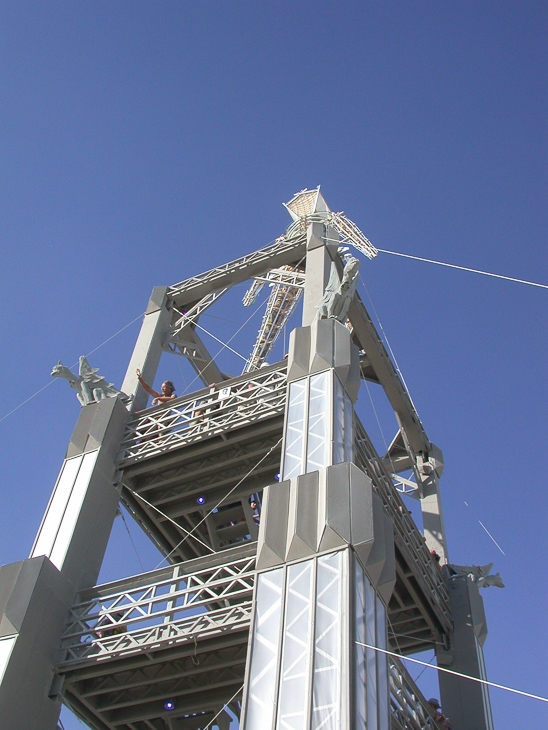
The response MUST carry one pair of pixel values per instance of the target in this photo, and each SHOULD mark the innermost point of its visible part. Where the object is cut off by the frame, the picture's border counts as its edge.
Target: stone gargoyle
(89, 387)
(479, 574)
(339, 292)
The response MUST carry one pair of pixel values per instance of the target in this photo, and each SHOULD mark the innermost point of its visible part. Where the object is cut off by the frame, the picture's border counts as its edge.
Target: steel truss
(289, 249)
(409, 710)
(419, 609)
(287, 284)
(165, 606)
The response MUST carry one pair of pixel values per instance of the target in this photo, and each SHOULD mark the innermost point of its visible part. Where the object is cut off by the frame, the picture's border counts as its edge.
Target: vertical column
(319, 255)
(148, 348)
(36, 595)
(65, 558)
(431, 468)
(325, 559)
(465, 702)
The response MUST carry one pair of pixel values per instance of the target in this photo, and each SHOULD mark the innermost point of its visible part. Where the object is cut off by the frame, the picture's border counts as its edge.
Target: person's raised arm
(146, 386)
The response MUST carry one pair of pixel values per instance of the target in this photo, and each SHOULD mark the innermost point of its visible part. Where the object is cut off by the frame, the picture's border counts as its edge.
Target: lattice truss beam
(170, 605)
(287, 286)
(193, 297)
(420, 599)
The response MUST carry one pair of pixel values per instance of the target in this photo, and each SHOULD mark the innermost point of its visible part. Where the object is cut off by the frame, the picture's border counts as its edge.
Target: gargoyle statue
(338, 294)
(89, 387)
(479, 574)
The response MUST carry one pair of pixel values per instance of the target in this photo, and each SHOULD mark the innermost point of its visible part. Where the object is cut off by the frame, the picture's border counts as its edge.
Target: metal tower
(274, 614)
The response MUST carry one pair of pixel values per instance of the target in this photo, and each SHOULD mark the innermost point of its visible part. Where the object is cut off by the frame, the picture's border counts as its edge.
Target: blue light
(169, 705)
(278, 476)
(201, 500)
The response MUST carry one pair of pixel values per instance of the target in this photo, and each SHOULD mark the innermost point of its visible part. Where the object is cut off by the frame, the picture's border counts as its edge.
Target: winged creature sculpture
(89, 386)
(480, 574)
(338, 293)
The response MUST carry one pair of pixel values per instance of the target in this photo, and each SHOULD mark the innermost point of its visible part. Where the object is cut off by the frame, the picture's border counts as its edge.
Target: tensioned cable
(423, 670)
(210, 723)
(167, 517)
(220, 502)
(387, 342)
(131, 539)
(223, 347)
(457, 674)
(524, 581)
(199, 326)
(464, 268)
(73, 366)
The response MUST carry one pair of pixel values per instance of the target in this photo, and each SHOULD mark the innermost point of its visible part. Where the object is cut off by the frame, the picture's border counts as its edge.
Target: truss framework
(426, 573)
(288, 249)
(169, 605)
(284, 297)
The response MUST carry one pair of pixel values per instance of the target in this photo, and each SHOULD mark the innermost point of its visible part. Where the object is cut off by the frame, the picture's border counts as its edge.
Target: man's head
(433, 702)
(167, 387)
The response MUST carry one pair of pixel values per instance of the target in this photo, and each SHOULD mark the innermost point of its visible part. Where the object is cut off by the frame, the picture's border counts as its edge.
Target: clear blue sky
(141, 143)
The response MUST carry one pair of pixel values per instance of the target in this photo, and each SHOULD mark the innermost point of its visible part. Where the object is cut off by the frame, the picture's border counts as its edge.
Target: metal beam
(282, 252)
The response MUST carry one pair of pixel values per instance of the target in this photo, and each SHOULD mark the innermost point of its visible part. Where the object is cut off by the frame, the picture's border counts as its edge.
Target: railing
(233, 404)
(408, 536)
(408, 707)
(163, 606)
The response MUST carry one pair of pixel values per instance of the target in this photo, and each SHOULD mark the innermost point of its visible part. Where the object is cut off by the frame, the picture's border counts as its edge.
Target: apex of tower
(306, 203)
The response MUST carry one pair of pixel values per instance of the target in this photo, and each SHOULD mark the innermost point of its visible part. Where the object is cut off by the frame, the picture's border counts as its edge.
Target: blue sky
(141, 143)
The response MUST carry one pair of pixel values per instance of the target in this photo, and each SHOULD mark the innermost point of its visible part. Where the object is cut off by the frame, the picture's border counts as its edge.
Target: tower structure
(288, 615)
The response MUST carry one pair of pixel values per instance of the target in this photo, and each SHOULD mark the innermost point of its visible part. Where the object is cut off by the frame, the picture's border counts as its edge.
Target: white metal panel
(319, 416)
(338, 422)
(326, 694)
(382, 667)
(359, 669)
(72, 512)
(6, 647)
(295, 674)
(294, 436)
(55, 511)
(371, 656)
(264, 651)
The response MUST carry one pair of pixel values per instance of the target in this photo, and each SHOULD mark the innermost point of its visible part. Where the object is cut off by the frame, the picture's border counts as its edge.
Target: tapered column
(430, 468)
(66, 557)
(465, 655)
(325, 559)
(148, 348)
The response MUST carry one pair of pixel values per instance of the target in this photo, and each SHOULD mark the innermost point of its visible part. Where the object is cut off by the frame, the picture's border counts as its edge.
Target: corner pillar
(430, 468)
(37, 594)
(465, 702)
(325, 559)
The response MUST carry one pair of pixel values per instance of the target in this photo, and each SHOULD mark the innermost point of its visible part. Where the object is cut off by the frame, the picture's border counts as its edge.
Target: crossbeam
(288, 250)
